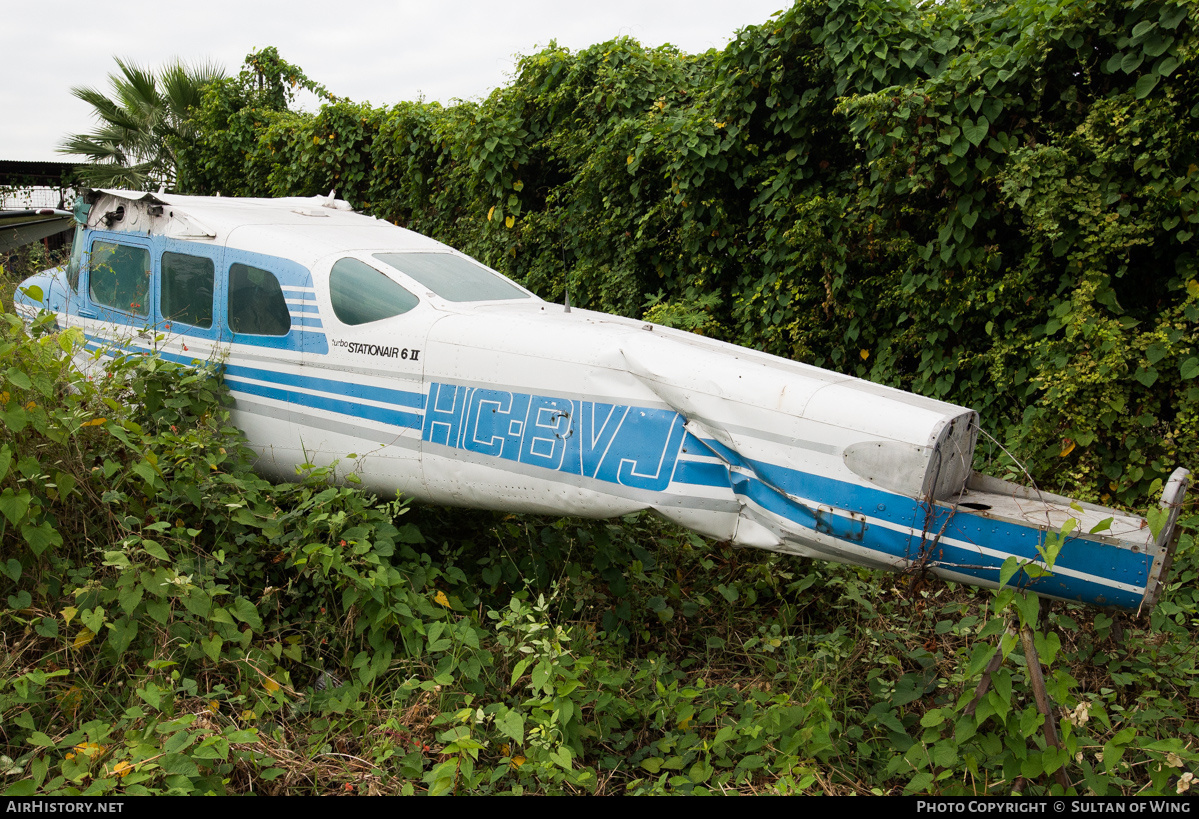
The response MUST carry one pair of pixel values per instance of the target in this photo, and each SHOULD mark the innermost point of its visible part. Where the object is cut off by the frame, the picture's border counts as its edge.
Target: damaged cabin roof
(302, 229)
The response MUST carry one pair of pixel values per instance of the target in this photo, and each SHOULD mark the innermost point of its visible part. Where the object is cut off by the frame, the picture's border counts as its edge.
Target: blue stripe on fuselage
(236, 376)
(365, 392)
(768, 480)
(341, 407)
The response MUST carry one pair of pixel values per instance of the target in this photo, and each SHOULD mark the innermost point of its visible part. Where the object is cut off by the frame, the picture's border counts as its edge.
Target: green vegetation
(991, 203)
(175, 624)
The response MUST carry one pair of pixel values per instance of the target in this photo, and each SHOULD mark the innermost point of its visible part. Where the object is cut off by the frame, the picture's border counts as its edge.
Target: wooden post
(985, 682)
(1033, 662)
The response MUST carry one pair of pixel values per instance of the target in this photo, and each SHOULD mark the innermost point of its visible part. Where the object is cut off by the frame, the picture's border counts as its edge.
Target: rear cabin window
(454, 278)
(119, 277)
(361, 294)
(187, 284)
(256, 304)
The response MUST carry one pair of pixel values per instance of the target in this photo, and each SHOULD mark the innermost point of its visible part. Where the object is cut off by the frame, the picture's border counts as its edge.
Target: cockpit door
(366, 394)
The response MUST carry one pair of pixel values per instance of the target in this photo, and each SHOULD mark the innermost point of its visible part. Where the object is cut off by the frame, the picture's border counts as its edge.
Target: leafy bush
(175, 624)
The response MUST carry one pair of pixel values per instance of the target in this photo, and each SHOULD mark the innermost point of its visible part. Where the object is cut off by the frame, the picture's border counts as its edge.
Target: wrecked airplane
(340, 333)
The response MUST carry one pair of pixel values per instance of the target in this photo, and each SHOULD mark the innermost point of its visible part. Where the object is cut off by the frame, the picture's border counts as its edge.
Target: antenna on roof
(566, 277)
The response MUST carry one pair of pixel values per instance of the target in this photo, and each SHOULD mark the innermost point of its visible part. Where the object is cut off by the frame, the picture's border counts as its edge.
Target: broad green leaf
(1157, 45)
(518, 671)
(180, 764)
(121, 634)
(512, 725)
(214, 747)
(1172, 15)
(41, 537)
(1146, 84)
(1166, 65)
(1028, 604)
(212, 647)
(153, 549)
(14, 505)
(563, 757)
(19, 379)
(151, 695)
(239, 736)
(945, 753)
(245, 611)
(976, 132)
(982, 654)
(93, 618)
(1048, 646)
(145, 472)
(919, 782)
(11, 569)
(1008, 570)
(47, 627)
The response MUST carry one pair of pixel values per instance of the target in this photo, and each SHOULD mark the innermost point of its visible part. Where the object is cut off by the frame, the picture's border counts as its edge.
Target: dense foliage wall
(992, 203)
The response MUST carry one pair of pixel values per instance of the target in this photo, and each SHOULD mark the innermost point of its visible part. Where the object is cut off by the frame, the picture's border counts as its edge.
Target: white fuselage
(508, 402)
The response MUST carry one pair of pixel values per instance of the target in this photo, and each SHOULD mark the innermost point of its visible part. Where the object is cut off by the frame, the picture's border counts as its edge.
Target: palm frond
(139, 123)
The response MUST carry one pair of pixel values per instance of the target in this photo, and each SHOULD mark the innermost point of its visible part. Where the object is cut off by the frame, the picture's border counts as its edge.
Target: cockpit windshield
(453, 277)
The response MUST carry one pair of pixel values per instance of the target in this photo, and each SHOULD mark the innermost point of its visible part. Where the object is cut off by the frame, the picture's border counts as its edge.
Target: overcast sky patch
(381, 52)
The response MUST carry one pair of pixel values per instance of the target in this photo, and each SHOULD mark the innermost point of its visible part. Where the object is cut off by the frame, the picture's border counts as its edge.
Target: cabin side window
(256, 303)
(187, 285)
(119, 277)
(360, 294)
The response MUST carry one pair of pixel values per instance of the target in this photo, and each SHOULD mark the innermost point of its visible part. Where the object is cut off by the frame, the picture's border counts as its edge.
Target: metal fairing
(517, 405)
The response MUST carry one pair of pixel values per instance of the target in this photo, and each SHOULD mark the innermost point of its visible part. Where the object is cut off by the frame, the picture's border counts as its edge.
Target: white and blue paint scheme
(340, 334)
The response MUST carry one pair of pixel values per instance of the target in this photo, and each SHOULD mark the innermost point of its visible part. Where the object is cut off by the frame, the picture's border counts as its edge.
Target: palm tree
(140, 125)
